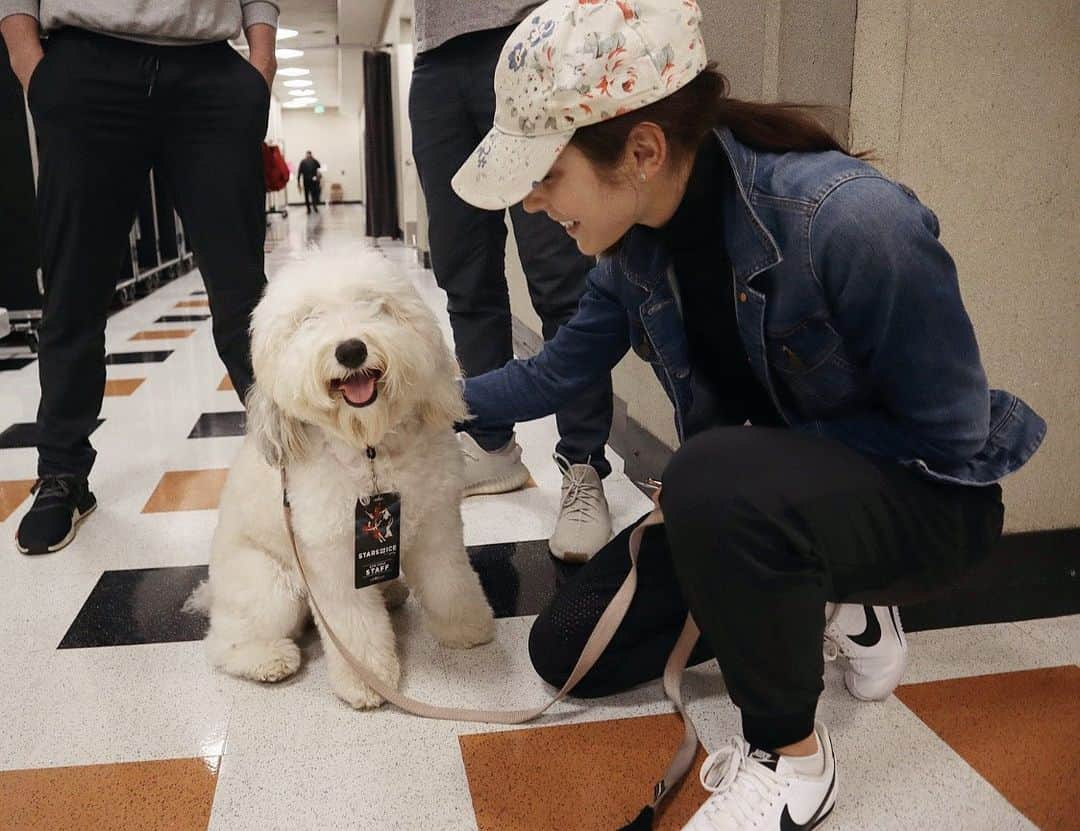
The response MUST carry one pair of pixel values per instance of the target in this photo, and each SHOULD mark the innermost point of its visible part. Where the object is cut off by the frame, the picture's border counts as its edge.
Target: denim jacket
(847, 304)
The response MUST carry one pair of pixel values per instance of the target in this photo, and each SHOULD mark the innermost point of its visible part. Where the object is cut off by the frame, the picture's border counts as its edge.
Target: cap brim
(504, 168)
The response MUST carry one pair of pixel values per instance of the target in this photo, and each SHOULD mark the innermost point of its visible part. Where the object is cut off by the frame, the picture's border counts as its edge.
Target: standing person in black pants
(841, 447)
(160, 89)
(451, 107)
(307, 178)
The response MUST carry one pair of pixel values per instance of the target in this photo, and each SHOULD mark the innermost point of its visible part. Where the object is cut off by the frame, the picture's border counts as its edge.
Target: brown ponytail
(688, 114)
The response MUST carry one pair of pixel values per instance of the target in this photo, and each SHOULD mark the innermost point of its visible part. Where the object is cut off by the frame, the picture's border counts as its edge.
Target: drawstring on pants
(154, 67)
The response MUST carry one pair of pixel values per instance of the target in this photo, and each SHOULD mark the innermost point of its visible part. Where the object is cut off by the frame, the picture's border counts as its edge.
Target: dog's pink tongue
(358, 389)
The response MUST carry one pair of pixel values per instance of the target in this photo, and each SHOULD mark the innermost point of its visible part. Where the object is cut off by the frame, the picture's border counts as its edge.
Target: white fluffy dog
(344, 362)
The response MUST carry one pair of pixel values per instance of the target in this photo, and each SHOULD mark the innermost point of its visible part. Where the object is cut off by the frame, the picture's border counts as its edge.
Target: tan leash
(594, 647)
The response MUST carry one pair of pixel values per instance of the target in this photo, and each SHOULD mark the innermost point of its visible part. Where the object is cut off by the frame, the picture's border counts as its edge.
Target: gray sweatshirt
(166, 22)
(437, 21)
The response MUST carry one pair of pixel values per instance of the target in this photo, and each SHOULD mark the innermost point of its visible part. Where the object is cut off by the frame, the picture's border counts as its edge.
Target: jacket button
(742, 296)
(682, 373)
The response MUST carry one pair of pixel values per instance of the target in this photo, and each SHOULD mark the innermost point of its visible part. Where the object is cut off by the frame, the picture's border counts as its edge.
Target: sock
(808, 765)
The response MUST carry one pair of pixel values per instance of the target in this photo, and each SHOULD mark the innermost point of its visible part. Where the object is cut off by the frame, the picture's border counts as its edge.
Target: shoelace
(744, 789)
(832, 644)
(581, 500)
(53, 486)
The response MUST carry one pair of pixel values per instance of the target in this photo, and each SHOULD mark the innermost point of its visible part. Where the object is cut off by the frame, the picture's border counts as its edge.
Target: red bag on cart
(275, 170)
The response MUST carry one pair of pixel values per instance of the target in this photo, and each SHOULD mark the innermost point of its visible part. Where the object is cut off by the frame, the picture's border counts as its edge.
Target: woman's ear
(281, 438)
(647, 149)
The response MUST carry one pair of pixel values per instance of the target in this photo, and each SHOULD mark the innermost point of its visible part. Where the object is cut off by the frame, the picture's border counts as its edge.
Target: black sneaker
(62, 503)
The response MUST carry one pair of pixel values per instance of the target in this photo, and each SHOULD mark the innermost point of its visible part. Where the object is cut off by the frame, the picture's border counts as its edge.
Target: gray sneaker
(584, 524)
(497, 471)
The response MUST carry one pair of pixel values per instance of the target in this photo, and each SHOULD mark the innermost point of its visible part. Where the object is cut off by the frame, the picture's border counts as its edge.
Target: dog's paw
(472, 629)
(263, 660)
(359, 695)
(395, 593)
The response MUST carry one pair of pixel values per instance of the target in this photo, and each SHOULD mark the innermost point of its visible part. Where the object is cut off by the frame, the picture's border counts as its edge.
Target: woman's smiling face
(595, 210)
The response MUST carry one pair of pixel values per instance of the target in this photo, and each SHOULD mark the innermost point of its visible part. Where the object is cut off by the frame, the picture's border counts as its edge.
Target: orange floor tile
(172, 795)
(193, 304)
(589, 777)
(123, 386)
(12, 494)
(225, 385)
(187, 490)
(162, 334)
(1019, 730)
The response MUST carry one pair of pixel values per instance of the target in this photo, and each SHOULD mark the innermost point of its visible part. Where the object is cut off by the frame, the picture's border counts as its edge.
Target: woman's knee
(547, 650)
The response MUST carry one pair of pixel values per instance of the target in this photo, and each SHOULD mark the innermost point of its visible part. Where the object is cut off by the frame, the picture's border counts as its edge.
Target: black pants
(106, 111)
(311, 195)
(451, 107)
(762, 527)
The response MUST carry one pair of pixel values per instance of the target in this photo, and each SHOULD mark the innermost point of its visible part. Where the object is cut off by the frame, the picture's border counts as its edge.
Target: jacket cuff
(255, 11)
(30, 7)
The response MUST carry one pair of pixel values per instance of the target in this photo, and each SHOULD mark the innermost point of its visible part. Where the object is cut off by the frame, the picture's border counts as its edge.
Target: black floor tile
(14, 363)
(145, 605)
(182, 318)
(198, 292)
(519, 578)
(217, 425)
(137, 357)
(142, 605)
(1029, 576)
(25, 435)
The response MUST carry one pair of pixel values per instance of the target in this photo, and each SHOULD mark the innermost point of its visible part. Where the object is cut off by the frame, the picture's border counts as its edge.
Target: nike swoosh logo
(788, 824)
(872, 634)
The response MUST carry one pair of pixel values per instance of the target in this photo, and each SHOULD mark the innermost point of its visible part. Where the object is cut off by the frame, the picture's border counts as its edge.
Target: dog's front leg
(361, 621)
(437, 567)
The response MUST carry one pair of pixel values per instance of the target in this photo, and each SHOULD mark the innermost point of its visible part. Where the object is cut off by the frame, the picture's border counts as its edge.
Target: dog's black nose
(351, 353)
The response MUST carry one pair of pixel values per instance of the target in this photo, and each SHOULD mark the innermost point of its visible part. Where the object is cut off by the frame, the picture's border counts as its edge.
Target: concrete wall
(974, 104)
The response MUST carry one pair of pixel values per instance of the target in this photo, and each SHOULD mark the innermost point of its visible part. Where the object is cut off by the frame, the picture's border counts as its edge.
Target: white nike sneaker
(755, 790)
(496, 471)
(872, 640)
(584, 523)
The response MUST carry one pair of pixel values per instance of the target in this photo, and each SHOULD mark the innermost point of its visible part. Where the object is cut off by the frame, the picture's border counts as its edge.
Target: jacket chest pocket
(640, 343)
(811, 365)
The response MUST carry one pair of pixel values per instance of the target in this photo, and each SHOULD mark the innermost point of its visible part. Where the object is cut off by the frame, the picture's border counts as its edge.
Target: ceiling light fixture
(288, 54)
(306, 93)
(297, 84)
(285, 34)
(293, 71)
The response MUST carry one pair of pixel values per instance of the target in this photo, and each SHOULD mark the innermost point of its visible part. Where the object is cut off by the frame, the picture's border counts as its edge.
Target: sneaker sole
(63, 543)
(505, 485)
(823, 817)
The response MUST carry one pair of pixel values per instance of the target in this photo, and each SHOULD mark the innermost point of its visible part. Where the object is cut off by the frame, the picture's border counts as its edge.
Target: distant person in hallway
(309, 179)
(451, 107)
(119, 90)
(771, 278)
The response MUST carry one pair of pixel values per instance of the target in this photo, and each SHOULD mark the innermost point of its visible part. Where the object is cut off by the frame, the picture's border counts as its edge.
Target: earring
(642, 176)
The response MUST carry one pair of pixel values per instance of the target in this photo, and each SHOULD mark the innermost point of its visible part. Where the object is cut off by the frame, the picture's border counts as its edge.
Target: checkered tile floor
(113, 719)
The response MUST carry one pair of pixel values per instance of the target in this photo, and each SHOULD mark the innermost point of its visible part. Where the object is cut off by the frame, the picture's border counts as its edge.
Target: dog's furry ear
(281, 438)
(443, 405)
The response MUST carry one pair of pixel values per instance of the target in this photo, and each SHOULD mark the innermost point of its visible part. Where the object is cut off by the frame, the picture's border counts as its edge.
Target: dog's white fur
(256, 599)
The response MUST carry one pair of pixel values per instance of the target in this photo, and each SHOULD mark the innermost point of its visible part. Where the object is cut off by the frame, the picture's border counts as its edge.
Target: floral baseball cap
(569, 64)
